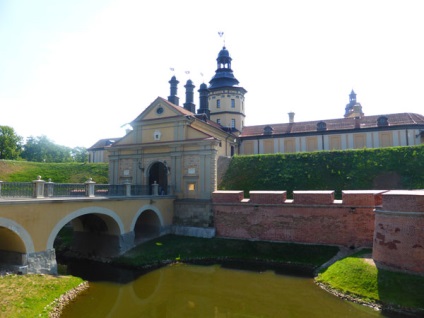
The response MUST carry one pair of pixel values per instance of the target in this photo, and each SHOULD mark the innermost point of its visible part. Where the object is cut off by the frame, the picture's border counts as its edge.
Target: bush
(364, 169)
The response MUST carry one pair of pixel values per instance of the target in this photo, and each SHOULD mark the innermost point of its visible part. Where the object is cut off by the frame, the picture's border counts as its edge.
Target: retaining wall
(311, 217)
(399, 231)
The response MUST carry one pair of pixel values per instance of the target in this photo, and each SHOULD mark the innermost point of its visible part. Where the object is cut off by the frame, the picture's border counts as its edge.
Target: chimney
(189, 97)
(291, 117)
(173, 98)
(357, 122)
(203, 98)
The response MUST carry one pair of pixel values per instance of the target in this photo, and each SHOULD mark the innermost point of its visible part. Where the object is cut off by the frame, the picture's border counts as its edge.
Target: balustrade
(41, 189)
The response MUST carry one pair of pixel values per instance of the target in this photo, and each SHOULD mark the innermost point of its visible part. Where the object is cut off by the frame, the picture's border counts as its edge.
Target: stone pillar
(155, 188)
(42, 262)
(127, 188)
(89, 188)
(38, 192)
(49, 185)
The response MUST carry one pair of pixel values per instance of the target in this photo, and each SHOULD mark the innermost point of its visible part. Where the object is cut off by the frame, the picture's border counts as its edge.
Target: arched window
(382, 121)
(321, 126)
(268, 130)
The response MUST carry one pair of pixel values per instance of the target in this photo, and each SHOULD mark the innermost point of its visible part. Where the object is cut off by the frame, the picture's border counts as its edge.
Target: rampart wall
(391, 222)
(310, 217)
(399, 231)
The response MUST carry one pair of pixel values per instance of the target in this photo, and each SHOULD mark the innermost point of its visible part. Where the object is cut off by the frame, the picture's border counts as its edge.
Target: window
(233, 123)
(218, 103)
(382, 121)
(218, 121)
(233, 103)
(269, 146)
(268, 130)
(191, 186)
(321, 126)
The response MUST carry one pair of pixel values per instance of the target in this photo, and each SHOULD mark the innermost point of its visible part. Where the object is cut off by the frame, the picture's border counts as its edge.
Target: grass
(32, 295)
(24, 171)
(180, 248)
(353, 276)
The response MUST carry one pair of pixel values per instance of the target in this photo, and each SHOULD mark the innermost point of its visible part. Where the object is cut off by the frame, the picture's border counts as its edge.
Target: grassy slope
(23, 171)
(31, 295)
(353, 276)
(180, 248)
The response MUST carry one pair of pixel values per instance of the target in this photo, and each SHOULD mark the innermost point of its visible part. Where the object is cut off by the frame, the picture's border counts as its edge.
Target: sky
(79, 71)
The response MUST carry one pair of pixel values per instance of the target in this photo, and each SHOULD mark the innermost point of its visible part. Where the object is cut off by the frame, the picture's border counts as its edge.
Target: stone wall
(311, 217)
(193, 213)
(399, 231)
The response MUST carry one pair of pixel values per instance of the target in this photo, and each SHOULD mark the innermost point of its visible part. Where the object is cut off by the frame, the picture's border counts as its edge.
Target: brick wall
(399, 231)
(311, 217)
(194, 213)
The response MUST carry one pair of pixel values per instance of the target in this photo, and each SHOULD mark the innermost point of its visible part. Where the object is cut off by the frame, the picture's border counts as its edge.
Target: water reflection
(213, 291)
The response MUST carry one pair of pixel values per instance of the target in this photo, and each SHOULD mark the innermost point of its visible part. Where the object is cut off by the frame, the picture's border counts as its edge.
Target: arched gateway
(158, 174)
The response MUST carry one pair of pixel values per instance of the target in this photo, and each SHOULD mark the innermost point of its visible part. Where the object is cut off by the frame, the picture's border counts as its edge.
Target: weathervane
(172, 70)
(221, 34)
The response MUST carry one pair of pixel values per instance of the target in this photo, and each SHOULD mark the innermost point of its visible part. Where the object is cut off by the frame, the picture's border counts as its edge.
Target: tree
(10, 143)
(41, 149)
(79, 154)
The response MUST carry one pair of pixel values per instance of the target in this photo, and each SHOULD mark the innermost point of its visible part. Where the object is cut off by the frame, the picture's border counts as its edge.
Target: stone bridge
(102, 227)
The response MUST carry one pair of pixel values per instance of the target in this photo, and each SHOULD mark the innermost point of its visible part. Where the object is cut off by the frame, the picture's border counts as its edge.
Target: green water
(212, 291)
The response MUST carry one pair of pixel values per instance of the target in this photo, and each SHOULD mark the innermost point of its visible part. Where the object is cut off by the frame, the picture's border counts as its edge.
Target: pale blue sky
(76, 71)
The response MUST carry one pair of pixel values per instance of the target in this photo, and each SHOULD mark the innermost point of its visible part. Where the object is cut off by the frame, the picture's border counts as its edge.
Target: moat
(183, 290)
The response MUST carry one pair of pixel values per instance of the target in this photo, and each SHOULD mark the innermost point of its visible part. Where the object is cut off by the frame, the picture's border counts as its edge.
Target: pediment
(160, 109)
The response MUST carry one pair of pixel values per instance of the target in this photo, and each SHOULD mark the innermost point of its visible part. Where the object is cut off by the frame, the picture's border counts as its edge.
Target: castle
(178, 147)
(176, 150)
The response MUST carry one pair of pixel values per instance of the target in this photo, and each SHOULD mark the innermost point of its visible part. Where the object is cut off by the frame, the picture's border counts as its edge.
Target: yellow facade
(172, 147)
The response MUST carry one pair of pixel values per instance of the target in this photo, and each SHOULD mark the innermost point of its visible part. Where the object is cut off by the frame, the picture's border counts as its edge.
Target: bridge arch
(147, 221)
(113, 221)
(19, 239)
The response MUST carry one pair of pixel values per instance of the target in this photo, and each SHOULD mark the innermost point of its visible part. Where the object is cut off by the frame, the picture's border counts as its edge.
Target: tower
(353, 109)
(226, 97)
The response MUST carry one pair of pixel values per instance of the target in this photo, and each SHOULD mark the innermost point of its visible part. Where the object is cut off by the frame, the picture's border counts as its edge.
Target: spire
(353, 108)
(352, 98)
(224, 76)
(173, 98)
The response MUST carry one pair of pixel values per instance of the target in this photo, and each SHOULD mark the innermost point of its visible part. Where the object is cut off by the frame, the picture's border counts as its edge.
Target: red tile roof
(369, 122)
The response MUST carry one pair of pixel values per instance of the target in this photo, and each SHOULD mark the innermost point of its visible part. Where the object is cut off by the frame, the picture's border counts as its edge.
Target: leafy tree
(79, 154)
(41, 149)
(10, 143)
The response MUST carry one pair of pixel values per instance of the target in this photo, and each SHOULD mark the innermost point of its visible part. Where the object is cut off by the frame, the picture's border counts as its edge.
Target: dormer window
(321, 126)
(268, 130)
(382, 121)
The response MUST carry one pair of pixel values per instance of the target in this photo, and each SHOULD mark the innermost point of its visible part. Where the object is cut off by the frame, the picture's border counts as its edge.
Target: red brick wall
(399, 231)
(311, 217)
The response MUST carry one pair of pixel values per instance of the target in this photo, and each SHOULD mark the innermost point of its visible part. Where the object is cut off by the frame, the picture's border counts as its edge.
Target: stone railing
(40, 189)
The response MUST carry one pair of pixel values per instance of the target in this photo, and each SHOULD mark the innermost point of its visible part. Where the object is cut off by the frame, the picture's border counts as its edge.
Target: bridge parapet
(40, 189)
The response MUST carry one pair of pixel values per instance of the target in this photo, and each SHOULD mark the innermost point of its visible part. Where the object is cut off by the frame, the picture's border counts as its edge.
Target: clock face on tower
(159, 110)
